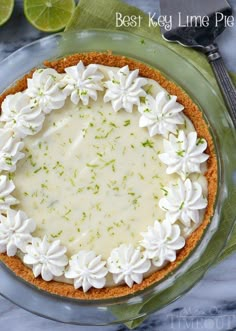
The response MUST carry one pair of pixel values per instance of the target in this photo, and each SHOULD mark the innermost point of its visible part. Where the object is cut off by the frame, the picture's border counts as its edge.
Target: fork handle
(226, 85)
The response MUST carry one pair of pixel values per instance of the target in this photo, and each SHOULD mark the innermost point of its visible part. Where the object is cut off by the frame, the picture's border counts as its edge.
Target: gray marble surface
(210, 305)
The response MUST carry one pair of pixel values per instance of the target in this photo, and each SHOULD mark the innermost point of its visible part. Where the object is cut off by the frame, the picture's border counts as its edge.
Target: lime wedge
(49, 15)
(6, 9)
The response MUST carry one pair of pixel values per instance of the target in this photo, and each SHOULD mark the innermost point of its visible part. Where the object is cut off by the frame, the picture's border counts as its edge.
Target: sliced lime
(49, 15)
(6, 9)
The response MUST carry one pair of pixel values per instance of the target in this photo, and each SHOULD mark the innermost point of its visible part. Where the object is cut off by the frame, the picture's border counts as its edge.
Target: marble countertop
(210, 305)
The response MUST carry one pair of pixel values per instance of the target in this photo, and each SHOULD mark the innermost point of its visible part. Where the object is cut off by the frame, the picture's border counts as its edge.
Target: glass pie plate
(109, 311)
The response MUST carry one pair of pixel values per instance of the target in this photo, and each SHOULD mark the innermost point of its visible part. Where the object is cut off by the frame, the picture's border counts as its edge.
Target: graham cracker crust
(193, 112)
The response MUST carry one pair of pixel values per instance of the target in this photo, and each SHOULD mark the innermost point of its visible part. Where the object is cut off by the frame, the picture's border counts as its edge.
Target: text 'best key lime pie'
(108, 176)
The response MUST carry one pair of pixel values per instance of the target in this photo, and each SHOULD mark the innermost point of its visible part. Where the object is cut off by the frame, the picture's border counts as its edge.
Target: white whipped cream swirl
(161, 115)
(44, 90)
(6, 188)
(15, 231)
(127, 264)
(82, 83)
(183, 202)
(48, 259)
(161, 242)
(21, 116)
(124, 89)
(10, 147)
(88, 270)
(184, 153)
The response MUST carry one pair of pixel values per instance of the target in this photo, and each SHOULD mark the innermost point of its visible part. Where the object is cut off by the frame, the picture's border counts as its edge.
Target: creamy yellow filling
(92, 178)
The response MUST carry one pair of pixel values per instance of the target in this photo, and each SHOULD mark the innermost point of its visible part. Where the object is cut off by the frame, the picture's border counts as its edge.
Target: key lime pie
(107, 176)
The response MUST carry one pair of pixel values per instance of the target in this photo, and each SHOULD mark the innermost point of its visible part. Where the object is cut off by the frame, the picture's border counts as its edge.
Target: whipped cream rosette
(183, 202)
(87, 270)
(82, 83)
(124, 89)
(10, 150)
(6, 188)
(44, 90)
(21, 114)
(161, 242)
(161, 115)
(184, 153)
(128, 264)
(47, 259)
(15, 231)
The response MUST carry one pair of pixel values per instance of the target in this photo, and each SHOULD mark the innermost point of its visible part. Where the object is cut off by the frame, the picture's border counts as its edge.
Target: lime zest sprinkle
(57, 234)
(127, 122)
(37, 170)
(148, 143)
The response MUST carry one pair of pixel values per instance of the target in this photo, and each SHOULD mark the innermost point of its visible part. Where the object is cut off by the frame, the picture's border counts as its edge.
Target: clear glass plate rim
(94, 31)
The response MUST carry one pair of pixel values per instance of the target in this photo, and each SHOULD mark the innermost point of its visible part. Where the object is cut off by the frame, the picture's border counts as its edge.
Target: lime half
(6, 9)
(49, 15)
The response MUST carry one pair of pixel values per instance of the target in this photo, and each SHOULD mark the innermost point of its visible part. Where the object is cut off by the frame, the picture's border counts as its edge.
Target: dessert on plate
(108, 176)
